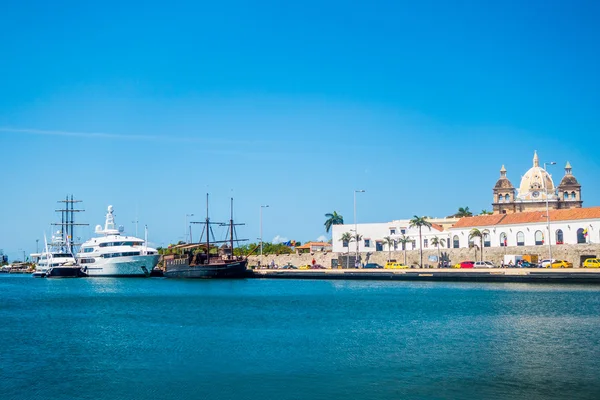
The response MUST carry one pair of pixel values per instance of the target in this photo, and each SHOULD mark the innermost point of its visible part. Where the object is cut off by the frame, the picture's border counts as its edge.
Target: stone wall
(570, 253)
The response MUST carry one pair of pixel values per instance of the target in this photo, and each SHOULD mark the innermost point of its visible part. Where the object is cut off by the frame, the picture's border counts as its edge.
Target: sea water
(107, 338)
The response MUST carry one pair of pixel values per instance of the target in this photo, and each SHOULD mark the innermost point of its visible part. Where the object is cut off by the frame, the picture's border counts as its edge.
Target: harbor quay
(575, 254)
(499, 275)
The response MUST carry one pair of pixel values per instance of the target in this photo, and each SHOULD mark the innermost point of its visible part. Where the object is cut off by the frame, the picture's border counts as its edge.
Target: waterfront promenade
(532, 275)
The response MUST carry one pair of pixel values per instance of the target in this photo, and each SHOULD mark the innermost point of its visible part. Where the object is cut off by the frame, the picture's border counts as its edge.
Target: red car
(467, 264)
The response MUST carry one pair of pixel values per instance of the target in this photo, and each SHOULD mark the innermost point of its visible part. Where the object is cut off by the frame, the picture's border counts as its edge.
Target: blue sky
(149, 105)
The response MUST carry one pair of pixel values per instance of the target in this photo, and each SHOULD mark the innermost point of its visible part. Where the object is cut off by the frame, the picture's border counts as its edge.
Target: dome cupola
(537, 183)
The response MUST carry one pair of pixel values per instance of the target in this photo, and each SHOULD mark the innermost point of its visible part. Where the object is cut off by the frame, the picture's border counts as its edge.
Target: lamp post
(136, 227)
(261, 236)
(548, 213)
(185, 237)
(356, 224)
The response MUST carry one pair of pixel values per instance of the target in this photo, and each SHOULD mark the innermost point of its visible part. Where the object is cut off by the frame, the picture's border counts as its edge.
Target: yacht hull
(225, 270)
(132, 266)
(65, 272)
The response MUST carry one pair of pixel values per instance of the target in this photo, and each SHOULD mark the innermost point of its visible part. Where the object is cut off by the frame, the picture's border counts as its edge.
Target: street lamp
(261, 236)
(136, 227)
(548, 214)
(185, 237)
(356, 224)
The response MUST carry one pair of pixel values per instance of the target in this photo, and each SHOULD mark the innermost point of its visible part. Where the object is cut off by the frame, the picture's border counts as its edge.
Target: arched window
(566, 195)
(580, 236)
(503, 241)
(455, 242)
(573, 197)
(559, 236)
(520, 239)
(507, 198)
(500, 198)
(486, 239)
(539, 238)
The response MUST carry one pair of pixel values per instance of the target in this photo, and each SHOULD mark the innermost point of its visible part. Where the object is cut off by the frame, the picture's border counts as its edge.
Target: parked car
(561, 264)
(372, 265)
(394, 265)
(484, 264)
(457, 265)
(289, 266)
(306, 266)
(467, 264)
(526, 264)
(546, 263)
(316, 266)
(591, 263)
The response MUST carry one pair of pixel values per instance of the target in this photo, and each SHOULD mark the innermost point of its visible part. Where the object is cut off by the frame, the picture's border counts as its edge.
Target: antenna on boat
(231, 230)
(207, 232)
(145, 238)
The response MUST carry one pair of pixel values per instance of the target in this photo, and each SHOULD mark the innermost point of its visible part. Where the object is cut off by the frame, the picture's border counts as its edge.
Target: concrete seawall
(525, 275)
(572, 253)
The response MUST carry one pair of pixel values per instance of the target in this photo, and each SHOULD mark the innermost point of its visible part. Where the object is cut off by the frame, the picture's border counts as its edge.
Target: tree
(436, 242)
(404, 240)
(476, 233)
(389, 242)
(357, 237)
(463, 212)
(333, 219)
(346, 239)
(485, 212)
(420, 222)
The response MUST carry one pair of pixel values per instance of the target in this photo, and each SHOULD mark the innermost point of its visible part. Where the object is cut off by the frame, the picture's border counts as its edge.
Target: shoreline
(524, 275)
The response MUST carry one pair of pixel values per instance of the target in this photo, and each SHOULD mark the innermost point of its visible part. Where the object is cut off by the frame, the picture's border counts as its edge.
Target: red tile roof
(529, 217)
(479, 220)
(437, 227)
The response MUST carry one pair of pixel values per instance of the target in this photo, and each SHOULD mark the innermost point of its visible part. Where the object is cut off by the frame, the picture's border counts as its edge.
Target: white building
(570, 226)
(373, 235)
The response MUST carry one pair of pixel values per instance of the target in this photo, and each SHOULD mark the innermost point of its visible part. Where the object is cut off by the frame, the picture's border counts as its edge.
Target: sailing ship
(58, 260)
(197, 261)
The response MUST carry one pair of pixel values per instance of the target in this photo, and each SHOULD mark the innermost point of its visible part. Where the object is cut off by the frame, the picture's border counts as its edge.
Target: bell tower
(504, 195)
(569, 190)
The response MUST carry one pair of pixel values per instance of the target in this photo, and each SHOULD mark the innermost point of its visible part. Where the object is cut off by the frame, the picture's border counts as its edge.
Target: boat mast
(231, 229)
(207, 233)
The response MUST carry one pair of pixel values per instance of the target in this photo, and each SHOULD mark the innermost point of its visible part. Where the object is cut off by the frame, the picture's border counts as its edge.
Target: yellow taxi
(307, 266)
(394, 265)
(591, 263)
(561, 264)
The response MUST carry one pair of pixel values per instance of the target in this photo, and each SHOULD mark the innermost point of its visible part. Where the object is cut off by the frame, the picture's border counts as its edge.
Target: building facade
(536, 191)
(567, 227)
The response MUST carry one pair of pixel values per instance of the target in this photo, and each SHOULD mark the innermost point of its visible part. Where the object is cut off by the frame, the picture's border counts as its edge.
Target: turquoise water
(105, 338)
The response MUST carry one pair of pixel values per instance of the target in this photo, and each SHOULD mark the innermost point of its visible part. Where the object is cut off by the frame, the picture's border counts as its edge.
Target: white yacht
(57, 253)
(114, 254)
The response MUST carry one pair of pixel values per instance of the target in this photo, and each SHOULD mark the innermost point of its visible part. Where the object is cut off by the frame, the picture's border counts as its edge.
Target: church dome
(568, 180)
(503, 183)
(534, 181)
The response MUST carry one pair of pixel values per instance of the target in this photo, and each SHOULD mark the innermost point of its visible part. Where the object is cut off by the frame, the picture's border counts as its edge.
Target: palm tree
(476, 233)
(404, 240)
(357, 237)
(420, 222)
(485, 212)
(346, 239)
(436, 242)
(389, 242)
(333, 219)
(463, 212)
